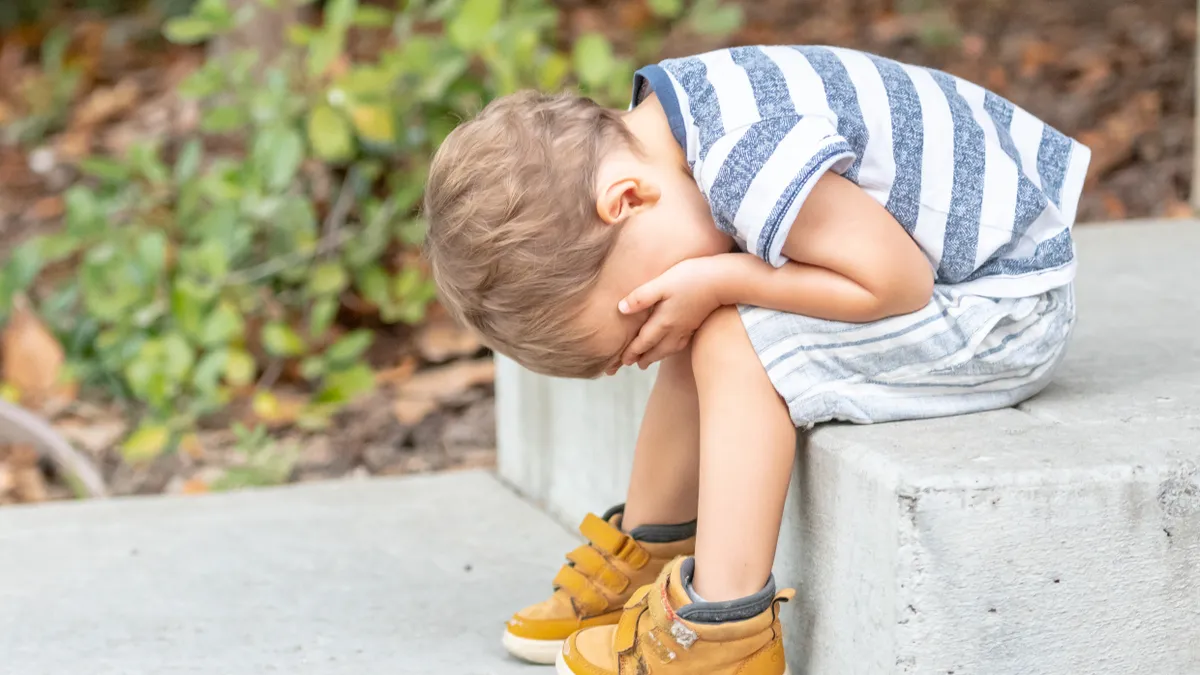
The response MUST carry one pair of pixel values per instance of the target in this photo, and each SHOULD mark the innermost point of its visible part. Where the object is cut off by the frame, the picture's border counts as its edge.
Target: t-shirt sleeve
(757, 177)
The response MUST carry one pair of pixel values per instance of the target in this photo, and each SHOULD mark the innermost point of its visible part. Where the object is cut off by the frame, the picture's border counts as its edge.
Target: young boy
(798, 235)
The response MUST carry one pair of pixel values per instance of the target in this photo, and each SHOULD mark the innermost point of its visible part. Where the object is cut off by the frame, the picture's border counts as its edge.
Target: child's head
(544, 211)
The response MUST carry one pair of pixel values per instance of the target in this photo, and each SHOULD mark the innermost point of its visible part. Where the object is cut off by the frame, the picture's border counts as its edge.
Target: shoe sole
(541, 652)
(561, 667)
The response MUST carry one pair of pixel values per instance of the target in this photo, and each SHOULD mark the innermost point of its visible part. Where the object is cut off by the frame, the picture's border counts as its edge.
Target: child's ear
(625, 197)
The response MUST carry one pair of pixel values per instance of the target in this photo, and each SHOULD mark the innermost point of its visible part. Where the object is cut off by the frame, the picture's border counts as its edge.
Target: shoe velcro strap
(587, 601)
(593, 564)
(633, 553)
(639, 596)
(627, 625)
(603, 535)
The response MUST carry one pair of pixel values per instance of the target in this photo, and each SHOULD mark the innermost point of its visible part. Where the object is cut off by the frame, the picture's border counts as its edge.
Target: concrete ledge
(1060, 537)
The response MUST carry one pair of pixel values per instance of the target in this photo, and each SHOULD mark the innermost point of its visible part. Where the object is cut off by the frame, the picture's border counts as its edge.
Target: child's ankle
(735, 608)
(650, 532)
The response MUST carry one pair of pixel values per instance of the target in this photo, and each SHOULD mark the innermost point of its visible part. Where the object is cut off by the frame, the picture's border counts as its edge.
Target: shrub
(200, 269)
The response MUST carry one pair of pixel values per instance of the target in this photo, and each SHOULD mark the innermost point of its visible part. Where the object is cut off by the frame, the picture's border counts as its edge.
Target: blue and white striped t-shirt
(986, 190)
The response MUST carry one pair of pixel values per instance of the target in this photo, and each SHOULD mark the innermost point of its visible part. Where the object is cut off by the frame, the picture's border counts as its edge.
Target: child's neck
(649, 125)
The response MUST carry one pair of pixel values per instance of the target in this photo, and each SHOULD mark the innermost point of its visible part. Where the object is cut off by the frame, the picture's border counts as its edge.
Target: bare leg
(666, 460)
(747, 446)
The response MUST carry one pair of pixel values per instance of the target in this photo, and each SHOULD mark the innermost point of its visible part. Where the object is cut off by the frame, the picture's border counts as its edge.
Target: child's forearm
(803, 289)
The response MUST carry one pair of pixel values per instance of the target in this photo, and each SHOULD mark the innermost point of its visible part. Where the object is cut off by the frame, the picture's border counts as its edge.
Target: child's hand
(682, 298)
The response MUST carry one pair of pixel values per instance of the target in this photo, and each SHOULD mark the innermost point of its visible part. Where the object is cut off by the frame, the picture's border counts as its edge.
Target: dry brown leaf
(1179, 209)
(192, 446)
(973, 45)
(32, 359)
(95, 437)
(997, 79)
(7, 482)
(74, 144)
(107, 102)
(634, 16)
(442, 339)
(1113, 141)
(1035, 55)
(398, 374)
(411, 411)
(1114, 208)
(46, 208)
(193, 486)
(445, 383)
(29, 485)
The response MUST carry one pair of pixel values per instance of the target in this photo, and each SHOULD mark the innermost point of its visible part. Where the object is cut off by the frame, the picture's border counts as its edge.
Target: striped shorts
(960, 354)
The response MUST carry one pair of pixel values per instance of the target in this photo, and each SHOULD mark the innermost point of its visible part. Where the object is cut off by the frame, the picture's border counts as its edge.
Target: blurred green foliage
(199, 272)
(17, 12)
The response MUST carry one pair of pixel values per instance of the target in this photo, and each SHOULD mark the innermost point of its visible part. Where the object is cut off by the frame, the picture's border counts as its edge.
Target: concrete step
(1060, 537)
(408, 576)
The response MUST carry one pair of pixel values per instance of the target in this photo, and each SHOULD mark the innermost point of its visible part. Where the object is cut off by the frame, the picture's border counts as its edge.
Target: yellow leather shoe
(651, 638)
(599, 578)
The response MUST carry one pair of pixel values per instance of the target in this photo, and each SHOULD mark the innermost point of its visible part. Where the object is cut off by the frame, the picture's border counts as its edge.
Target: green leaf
(223, 324)
(320, 317)
(373, 17)
(300, 35)
(435, 83)
(207, 375)
(202, 83)
(105, 169)
(473, 23)
(222, 119)
(151, 250)
(324, 48)
(145, 444)
(280, 340)
(159, 369)
(374, 123)
(56, 247)
(344, 386)
(312, 368)
(666, 9)
(239, 367)
(144, 158)
(178, 356)
(340, 12)
(328, 278)
(278, 152)
(330, 134)
(188, 303)
(553, 72)
(188, 162)
(593, 59)
(83, 215)
(188, 30)
(373, 284)
(350, 347)
(23, 266)
(720, 20)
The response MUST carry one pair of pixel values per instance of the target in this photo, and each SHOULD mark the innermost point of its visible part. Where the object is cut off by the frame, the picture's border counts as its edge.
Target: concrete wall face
(1059, 537)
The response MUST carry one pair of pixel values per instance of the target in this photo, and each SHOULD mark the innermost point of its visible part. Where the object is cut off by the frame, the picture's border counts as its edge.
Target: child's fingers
(649, 336)
(642, 297)
(665, 347)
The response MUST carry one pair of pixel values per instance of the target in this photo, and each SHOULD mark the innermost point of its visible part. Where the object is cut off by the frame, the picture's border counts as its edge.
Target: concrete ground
(413, 575)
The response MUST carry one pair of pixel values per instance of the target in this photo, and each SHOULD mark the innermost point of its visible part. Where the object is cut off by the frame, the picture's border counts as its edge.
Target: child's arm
(850, 261)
